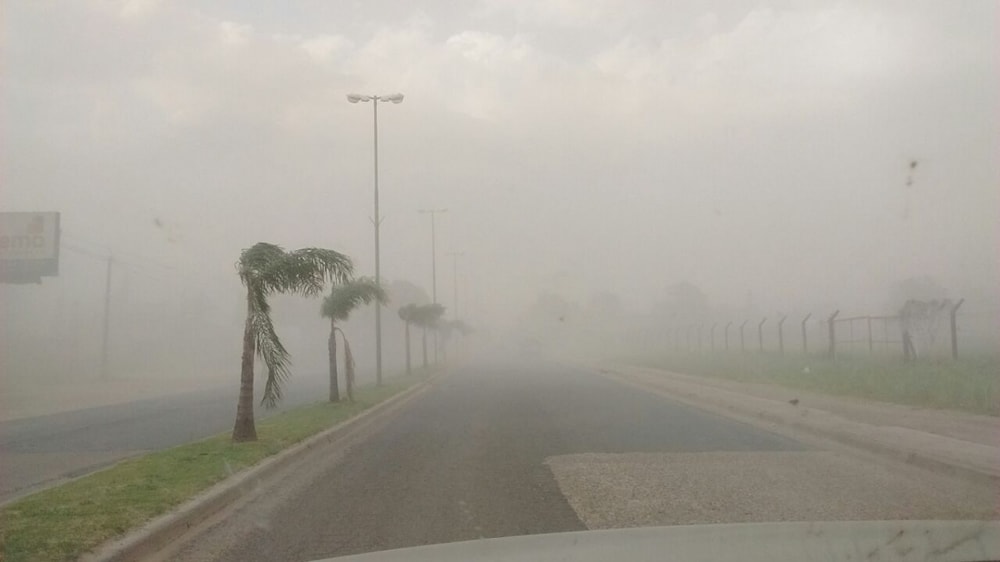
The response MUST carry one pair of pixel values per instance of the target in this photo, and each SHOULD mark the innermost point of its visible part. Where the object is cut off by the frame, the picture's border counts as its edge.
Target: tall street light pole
(455, 256)
(433, 213)
(434, 292)
(394, 98)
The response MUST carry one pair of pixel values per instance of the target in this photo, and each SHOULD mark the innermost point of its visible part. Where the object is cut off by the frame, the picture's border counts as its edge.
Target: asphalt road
(501, 450)
(39, 451)
(466, 460)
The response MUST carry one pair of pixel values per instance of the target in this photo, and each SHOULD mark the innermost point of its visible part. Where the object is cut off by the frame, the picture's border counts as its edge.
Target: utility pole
(455, 256)
(434, 293)
(107, 319)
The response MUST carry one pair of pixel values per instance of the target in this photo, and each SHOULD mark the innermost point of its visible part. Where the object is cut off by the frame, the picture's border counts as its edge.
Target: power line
(133, 256)
(83, 251)
(141, 269)
(105, 256)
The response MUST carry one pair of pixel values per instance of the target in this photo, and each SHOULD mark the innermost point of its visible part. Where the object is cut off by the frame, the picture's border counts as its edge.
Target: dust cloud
(612, 176)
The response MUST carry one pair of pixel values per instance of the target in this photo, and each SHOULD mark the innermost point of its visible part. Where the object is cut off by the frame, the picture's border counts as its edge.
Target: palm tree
(266, 269)
(427, 317)
(344, 298)
(449, 328)
(407, 315)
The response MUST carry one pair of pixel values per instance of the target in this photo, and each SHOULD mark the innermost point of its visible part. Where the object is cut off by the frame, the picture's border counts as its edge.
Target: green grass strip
(63, 522)
(969, 384)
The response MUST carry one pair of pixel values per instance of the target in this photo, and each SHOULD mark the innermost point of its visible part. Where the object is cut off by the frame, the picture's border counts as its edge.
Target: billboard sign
(29, 246)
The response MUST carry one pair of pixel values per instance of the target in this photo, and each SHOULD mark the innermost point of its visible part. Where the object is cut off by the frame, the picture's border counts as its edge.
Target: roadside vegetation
(63, 522)
(968, 384)
(265, 270)
(426, 317)
(343, 299)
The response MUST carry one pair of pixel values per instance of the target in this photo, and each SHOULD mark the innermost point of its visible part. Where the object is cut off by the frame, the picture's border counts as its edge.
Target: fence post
(760, 334)
(805, 337)
(699, 338)
(711, 337)
(743, 341)
(833, 335)
(871, 347)
(726, 333)
(781, 335)
(908, 353)
(954, 328)
(687, 339)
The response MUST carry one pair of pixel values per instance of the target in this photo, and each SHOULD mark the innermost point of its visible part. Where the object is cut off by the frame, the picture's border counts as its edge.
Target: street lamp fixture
(394, 98)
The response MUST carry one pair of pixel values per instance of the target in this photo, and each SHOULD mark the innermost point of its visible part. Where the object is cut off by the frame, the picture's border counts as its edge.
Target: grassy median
(969, 384)
(63, 522)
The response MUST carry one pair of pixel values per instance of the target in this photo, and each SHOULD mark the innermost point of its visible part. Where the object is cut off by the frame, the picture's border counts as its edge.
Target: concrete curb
(154, 535)
(936, 452)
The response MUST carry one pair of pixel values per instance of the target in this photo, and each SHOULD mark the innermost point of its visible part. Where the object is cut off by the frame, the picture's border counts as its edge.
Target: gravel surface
(645, 489)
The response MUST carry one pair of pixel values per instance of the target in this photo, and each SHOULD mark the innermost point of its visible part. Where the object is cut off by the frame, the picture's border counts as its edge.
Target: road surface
(36, 452)
(494, 451)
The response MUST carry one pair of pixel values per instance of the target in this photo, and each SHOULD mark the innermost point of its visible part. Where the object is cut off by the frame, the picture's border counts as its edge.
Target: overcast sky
(748, 147)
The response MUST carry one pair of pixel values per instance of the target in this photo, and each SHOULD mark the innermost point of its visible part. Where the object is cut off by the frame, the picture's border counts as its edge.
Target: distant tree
(408, 315)
(266, 269)
(448, 329)
(686, 302)
(461, 327)
(920, 288)
(551, 307)
(427, 317)
(920, 321)
(606, 304)
(404, 291)
(343, 299)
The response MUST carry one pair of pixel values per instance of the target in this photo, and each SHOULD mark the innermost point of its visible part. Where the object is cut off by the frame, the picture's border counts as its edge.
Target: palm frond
(306, 271)
(346, 297)
(257, 260)
(270, 349)
(270, 269)
(427, 316)
(408, 312)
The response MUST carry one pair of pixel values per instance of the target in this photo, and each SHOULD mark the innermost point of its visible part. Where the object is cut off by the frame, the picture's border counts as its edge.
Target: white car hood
(860, 541)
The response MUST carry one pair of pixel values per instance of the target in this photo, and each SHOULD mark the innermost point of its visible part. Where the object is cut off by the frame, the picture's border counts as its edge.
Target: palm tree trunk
(348, 368)
(408, 370)
(244, 429)
(332, 348)
(425, 347)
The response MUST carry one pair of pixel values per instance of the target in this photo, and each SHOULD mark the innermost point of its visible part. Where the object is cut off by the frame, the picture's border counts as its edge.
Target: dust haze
(612, 173)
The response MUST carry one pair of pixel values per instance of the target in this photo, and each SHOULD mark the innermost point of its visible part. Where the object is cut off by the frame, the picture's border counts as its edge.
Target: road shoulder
(951, 442)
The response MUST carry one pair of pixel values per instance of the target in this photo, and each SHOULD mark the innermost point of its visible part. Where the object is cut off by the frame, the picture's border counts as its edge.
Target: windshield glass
(508, 268)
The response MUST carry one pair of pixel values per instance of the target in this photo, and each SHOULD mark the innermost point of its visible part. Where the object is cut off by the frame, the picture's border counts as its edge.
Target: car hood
(747, 542)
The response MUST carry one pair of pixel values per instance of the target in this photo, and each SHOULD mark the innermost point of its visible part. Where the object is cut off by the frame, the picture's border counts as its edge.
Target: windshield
(496, 268)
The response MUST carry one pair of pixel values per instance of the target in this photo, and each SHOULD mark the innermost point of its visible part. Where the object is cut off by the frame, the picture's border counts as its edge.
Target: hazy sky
(747, 147)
